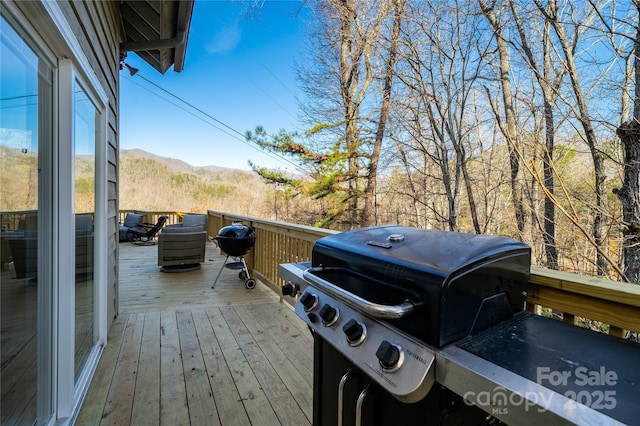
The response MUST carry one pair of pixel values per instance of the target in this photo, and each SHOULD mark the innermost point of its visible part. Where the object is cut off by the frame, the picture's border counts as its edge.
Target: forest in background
(150, 182)
(503, 116)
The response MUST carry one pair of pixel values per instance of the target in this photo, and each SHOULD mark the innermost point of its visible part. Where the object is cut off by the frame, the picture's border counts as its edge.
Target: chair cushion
(132, 219)
(182, 230)
(84, 223)
(194, 219)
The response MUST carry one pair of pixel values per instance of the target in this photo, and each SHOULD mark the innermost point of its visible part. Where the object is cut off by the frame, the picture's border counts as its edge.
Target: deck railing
(151, 216)
(614, 304)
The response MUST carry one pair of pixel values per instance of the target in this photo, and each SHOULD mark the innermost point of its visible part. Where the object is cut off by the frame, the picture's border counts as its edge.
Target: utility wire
(267, 94)
(233, 135)
(190, 105)
(220, 23)
(234, 131)
(278, 79)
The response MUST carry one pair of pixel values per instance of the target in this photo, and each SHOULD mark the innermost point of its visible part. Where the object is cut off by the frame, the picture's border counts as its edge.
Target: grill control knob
(390, 356)
(290, 289)
(309, 301)
(355, 332)
(329, 315)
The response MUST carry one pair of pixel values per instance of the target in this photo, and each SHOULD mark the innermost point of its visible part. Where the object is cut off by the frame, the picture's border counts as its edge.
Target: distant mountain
(151, 182)
(172, 162)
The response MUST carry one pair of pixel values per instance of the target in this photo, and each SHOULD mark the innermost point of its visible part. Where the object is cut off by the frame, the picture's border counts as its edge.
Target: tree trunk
(356, 74)
(543, 77)
(510, 130)
(369, 202)
(629, 195)
(549, 234)
(349, 73)
(473, 210)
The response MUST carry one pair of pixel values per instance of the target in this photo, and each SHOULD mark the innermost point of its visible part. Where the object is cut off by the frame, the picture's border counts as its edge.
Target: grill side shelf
(532, 370)
(507, 396)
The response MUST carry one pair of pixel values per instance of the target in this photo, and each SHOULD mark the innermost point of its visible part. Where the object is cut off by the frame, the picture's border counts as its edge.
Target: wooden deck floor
(181, 353)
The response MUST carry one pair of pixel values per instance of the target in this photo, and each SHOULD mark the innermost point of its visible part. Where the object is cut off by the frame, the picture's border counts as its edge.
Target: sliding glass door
(26, 87)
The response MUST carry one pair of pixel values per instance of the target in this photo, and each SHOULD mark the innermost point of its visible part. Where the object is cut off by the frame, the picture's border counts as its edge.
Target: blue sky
(238, 70)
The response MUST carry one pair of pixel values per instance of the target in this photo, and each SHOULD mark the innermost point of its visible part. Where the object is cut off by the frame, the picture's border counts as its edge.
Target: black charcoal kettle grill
(235, 241)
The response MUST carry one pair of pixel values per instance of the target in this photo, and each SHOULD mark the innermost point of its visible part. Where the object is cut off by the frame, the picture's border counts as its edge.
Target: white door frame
(60, 46)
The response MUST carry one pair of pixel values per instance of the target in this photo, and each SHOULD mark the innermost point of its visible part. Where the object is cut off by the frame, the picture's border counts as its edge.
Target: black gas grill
(415, 326)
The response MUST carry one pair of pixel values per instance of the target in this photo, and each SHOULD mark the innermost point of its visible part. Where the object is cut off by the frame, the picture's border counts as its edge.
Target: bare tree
(558, 21)
(439, 71)
(343, 64)
(629, 192)
(509, 129)
(549, 81)
(415, 74)
(389, 72)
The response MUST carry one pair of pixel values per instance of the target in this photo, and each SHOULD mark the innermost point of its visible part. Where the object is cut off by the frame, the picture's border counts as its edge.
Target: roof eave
(159, 37)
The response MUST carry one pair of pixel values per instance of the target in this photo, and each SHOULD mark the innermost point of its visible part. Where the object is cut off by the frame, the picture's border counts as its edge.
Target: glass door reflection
(25, 284)
(84, 142)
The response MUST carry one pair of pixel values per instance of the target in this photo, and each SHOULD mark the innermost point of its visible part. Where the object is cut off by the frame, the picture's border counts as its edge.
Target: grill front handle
(343, 381)
(374, 309)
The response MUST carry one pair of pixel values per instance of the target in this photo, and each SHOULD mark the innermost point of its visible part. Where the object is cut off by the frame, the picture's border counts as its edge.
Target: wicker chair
(24, 250)
(181, 247)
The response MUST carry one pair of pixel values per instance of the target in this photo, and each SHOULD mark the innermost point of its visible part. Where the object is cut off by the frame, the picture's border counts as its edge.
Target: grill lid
(436, 253)
(459, 283)
(236, 239)
(236, 230)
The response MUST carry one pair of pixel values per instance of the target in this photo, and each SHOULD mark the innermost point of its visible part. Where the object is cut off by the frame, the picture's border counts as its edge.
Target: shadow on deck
(181, 353)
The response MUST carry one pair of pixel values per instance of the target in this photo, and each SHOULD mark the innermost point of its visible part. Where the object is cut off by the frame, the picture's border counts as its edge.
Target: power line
(190, 105)
(278, 79)
(267, 94)
(246, 77)
(191, 113)
(234, 131)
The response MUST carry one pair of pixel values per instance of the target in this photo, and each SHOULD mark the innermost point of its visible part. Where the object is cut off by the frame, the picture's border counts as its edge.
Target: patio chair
(181, 247)
(84, 246)
(145, 233)
(131, 220)
(24, 250)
